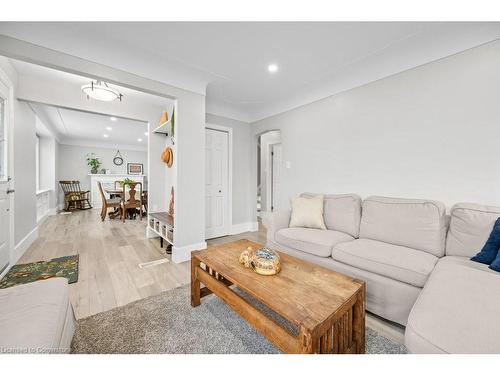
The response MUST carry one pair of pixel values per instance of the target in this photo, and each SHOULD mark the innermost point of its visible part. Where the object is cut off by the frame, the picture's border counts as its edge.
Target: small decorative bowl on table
(263, 261)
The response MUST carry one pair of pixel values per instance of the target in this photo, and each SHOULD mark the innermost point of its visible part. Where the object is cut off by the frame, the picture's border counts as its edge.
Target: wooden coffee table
(328, 308)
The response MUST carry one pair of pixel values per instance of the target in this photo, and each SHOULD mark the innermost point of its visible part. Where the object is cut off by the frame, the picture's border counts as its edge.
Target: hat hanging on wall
(167, 157)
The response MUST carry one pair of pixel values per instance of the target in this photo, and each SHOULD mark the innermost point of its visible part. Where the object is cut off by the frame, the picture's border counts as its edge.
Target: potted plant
(126, 181)
(93, 162)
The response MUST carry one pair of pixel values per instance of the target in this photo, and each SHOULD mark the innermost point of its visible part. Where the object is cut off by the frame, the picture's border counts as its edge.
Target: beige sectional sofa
(458, 310)
(36, 318)
(412, 260)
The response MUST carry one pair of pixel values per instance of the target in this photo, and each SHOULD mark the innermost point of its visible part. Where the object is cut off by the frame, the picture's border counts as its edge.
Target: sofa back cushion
(415, 223)
(341, 212)
(470, 227)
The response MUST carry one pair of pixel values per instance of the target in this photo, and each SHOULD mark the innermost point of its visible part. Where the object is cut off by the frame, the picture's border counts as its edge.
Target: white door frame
(272, 174)
(229, 198)
(4, 78)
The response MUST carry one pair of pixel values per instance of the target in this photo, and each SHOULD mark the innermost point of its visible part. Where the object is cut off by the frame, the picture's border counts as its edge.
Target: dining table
(117, 193)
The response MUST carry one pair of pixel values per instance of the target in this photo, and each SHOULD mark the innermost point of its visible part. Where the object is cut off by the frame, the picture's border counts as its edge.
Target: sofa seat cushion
(312, 241)
(34, 315)
(457, 311)
(396, 262)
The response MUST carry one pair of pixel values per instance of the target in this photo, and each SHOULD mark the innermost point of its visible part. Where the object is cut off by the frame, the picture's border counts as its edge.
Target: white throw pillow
(307, 212)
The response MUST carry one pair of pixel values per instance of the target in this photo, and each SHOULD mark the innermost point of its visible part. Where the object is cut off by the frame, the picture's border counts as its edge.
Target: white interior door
(276, 178)
(5, 213)
(216, 183)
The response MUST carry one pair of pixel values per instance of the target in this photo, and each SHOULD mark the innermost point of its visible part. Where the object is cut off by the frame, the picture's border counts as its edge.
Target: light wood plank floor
(110, 252)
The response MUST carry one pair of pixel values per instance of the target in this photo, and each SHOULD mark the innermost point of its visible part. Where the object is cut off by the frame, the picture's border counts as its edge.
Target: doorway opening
(269, 171)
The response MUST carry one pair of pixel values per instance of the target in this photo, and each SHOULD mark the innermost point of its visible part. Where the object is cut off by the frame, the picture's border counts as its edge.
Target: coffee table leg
(305, 341)
(195, 283)
(359, 321)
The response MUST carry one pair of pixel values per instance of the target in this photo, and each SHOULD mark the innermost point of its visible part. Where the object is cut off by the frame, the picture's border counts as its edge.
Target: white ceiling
(59, 79)
(315, 59)
(84, 128)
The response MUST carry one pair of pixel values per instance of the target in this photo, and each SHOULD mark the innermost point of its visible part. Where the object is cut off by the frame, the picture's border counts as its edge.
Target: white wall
(244, 203)
(73, 165)
(430, 132)
(48, 167)
(25, 174)
(24, 205)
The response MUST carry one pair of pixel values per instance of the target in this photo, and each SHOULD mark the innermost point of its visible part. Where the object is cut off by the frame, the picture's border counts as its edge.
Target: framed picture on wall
(135, 168)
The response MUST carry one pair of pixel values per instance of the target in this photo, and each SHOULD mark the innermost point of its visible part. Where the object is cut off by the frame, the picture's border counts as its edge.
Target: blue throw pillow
(495, 265)
(490, 249)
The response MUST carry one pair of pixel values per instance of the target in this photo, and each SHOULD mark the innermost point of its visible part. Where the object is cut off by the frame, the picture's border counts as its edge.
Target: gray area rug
(167, 323)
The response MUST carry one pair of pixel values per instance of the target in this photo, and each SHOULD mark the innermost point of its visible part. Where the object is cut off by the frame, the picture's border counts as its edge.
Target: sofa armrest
(274, 221)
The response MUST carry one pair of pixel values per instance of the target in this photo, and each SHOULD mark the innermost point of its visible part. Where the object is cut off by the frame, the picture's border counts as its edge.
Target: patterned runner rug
(26, 273)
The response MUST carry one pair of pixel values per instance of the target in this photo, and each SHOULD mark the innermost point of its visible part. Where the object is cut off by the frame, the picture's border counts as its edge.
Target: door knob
(10, 191)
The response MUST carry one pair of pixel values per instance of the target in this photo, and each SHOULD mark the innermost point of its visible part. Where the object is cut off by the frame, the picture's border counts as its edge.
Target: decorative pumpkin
(245, 257)
(263, 261)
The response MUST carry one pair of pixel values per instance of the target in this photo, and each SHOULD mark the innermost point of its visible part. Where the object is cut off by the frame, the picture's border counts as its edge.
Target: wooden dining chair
(74, 197)
(145, 201)
(107, 202)
(134, 199)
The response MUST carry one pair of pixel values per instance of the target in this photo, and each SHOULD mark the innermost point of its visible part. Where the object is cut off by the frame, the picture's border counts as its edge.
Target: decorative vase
(93, 171)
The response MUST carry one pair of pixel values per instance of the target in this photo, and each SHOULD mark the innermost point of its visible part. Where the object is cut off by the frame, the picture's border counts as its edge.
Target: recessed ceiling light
(146, 134)
(272, 68)
(105, 135)
(112, 118)
(109, 128)
(139, 139)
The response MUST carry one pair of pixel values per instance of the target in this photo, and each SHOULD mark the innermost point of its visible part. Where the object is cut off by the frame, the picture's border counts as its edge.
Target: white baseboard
(251, 226)
(23, 245)
(150, 233)
(50, 212)
(183, 253)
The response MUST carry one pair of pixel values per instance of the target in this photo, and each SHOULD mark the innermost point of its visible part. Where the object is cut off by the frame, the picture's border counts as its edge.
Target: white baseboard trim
(23, 245)
(150, 233)
(7, 269)
(183, 253)
(251, 226)
(50, 212)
